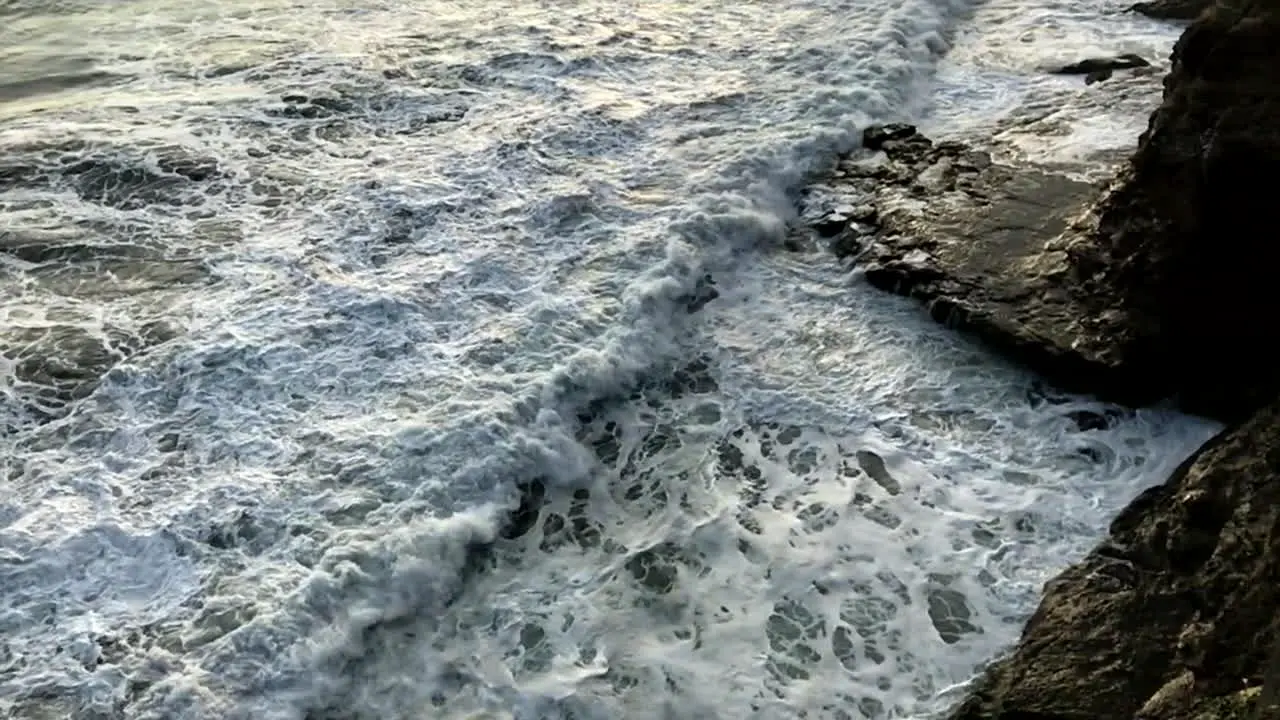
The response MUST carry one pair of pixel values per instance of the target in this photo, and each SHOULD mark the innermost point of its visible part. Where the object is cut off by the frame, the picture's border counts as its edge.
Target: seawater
(439, 359)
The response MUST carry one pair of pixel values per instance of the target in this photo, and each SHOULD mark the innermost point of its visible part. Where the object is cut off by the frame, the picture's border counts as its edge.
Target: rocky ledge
(1159, 284)
(985, 246)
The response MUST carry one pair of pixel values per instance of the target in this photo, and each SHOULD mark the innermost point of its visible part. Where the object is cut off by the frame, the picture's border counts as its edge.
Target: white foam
(444, 279)
(995, 85)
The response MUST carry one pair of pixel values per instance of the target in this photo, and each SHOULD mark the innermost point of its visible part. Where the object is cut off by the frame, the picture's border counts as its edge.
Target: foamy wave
(468, 400)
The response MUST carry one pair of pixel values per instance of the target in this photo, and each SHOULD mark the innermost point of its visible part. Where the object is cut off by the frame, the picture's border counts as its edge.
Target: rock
(1087, 420)
(874, 466)
(950, 615)
(310, 107)
(62, 358)
(1097, 76)
(521, 520)
(703, 292)
(116, 177)
(831, 225)
(1171, 617)
(1177, 693)
(834, 222)
(1097, 65)
(1154, 290)
(874, 138)
(1175, 242)
(1172, 9)
(971, 238)
(1242, 705)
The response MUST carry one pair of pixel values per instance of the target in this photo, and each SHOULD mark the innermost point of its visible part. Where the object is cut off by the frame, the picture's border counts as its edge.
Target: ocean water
(424, 359)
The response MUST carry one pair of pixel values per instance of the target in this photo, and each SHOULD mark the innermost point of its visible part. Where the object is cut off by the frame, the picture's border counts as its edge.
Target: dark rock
(950, 614)
(1156, 289)
(523, 519)
(873, 465)
(309, 107)
(1087, 420)
(695, 378)
(1176, 245)
(1097, 76)
(58, 363)
(874, 137)
(1096, 65)
(796, 240)
(1174, 614)
(126, 178)
(831, 225)
(1173, 9)
(703, 292)
(848, 243)
(840, 218)
(972, 239)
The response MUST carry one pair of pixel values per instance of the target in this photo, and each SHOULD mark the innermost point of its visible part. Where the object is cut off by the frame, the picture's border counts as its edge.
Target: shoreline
(1132, 290)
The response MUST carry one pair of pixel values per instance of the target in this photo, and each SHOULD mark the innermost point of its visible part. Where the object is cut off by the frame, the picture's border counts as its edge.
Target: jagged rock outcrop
(1162, 287)
(1186, 235)
(1098, 69)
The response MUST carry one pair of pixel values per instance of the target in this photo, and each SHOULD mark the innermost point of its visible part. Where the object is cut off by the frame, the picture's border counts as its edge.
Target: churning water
(426, 359)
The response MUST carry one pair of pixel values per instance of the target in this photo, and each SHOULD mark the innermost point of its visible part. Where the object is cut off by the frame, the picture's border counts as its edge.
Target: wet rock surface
(85, 291)
(1092, 65)
(978, 242)
(1136, 292)
(1098, 69)
(110, 176)
(1152, 288)
(56, 358)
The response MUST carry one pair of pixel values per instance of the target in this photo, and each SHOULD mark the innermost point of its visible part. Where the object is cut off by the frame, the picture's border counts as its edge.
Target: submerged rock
(62, 356)
(1092, 66)
(114, 176)
(54, 366)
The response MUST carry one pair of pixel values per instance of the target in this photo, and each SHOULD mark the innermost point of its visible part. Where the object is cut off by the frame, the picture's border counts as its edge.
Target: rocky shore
(1157, 285)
